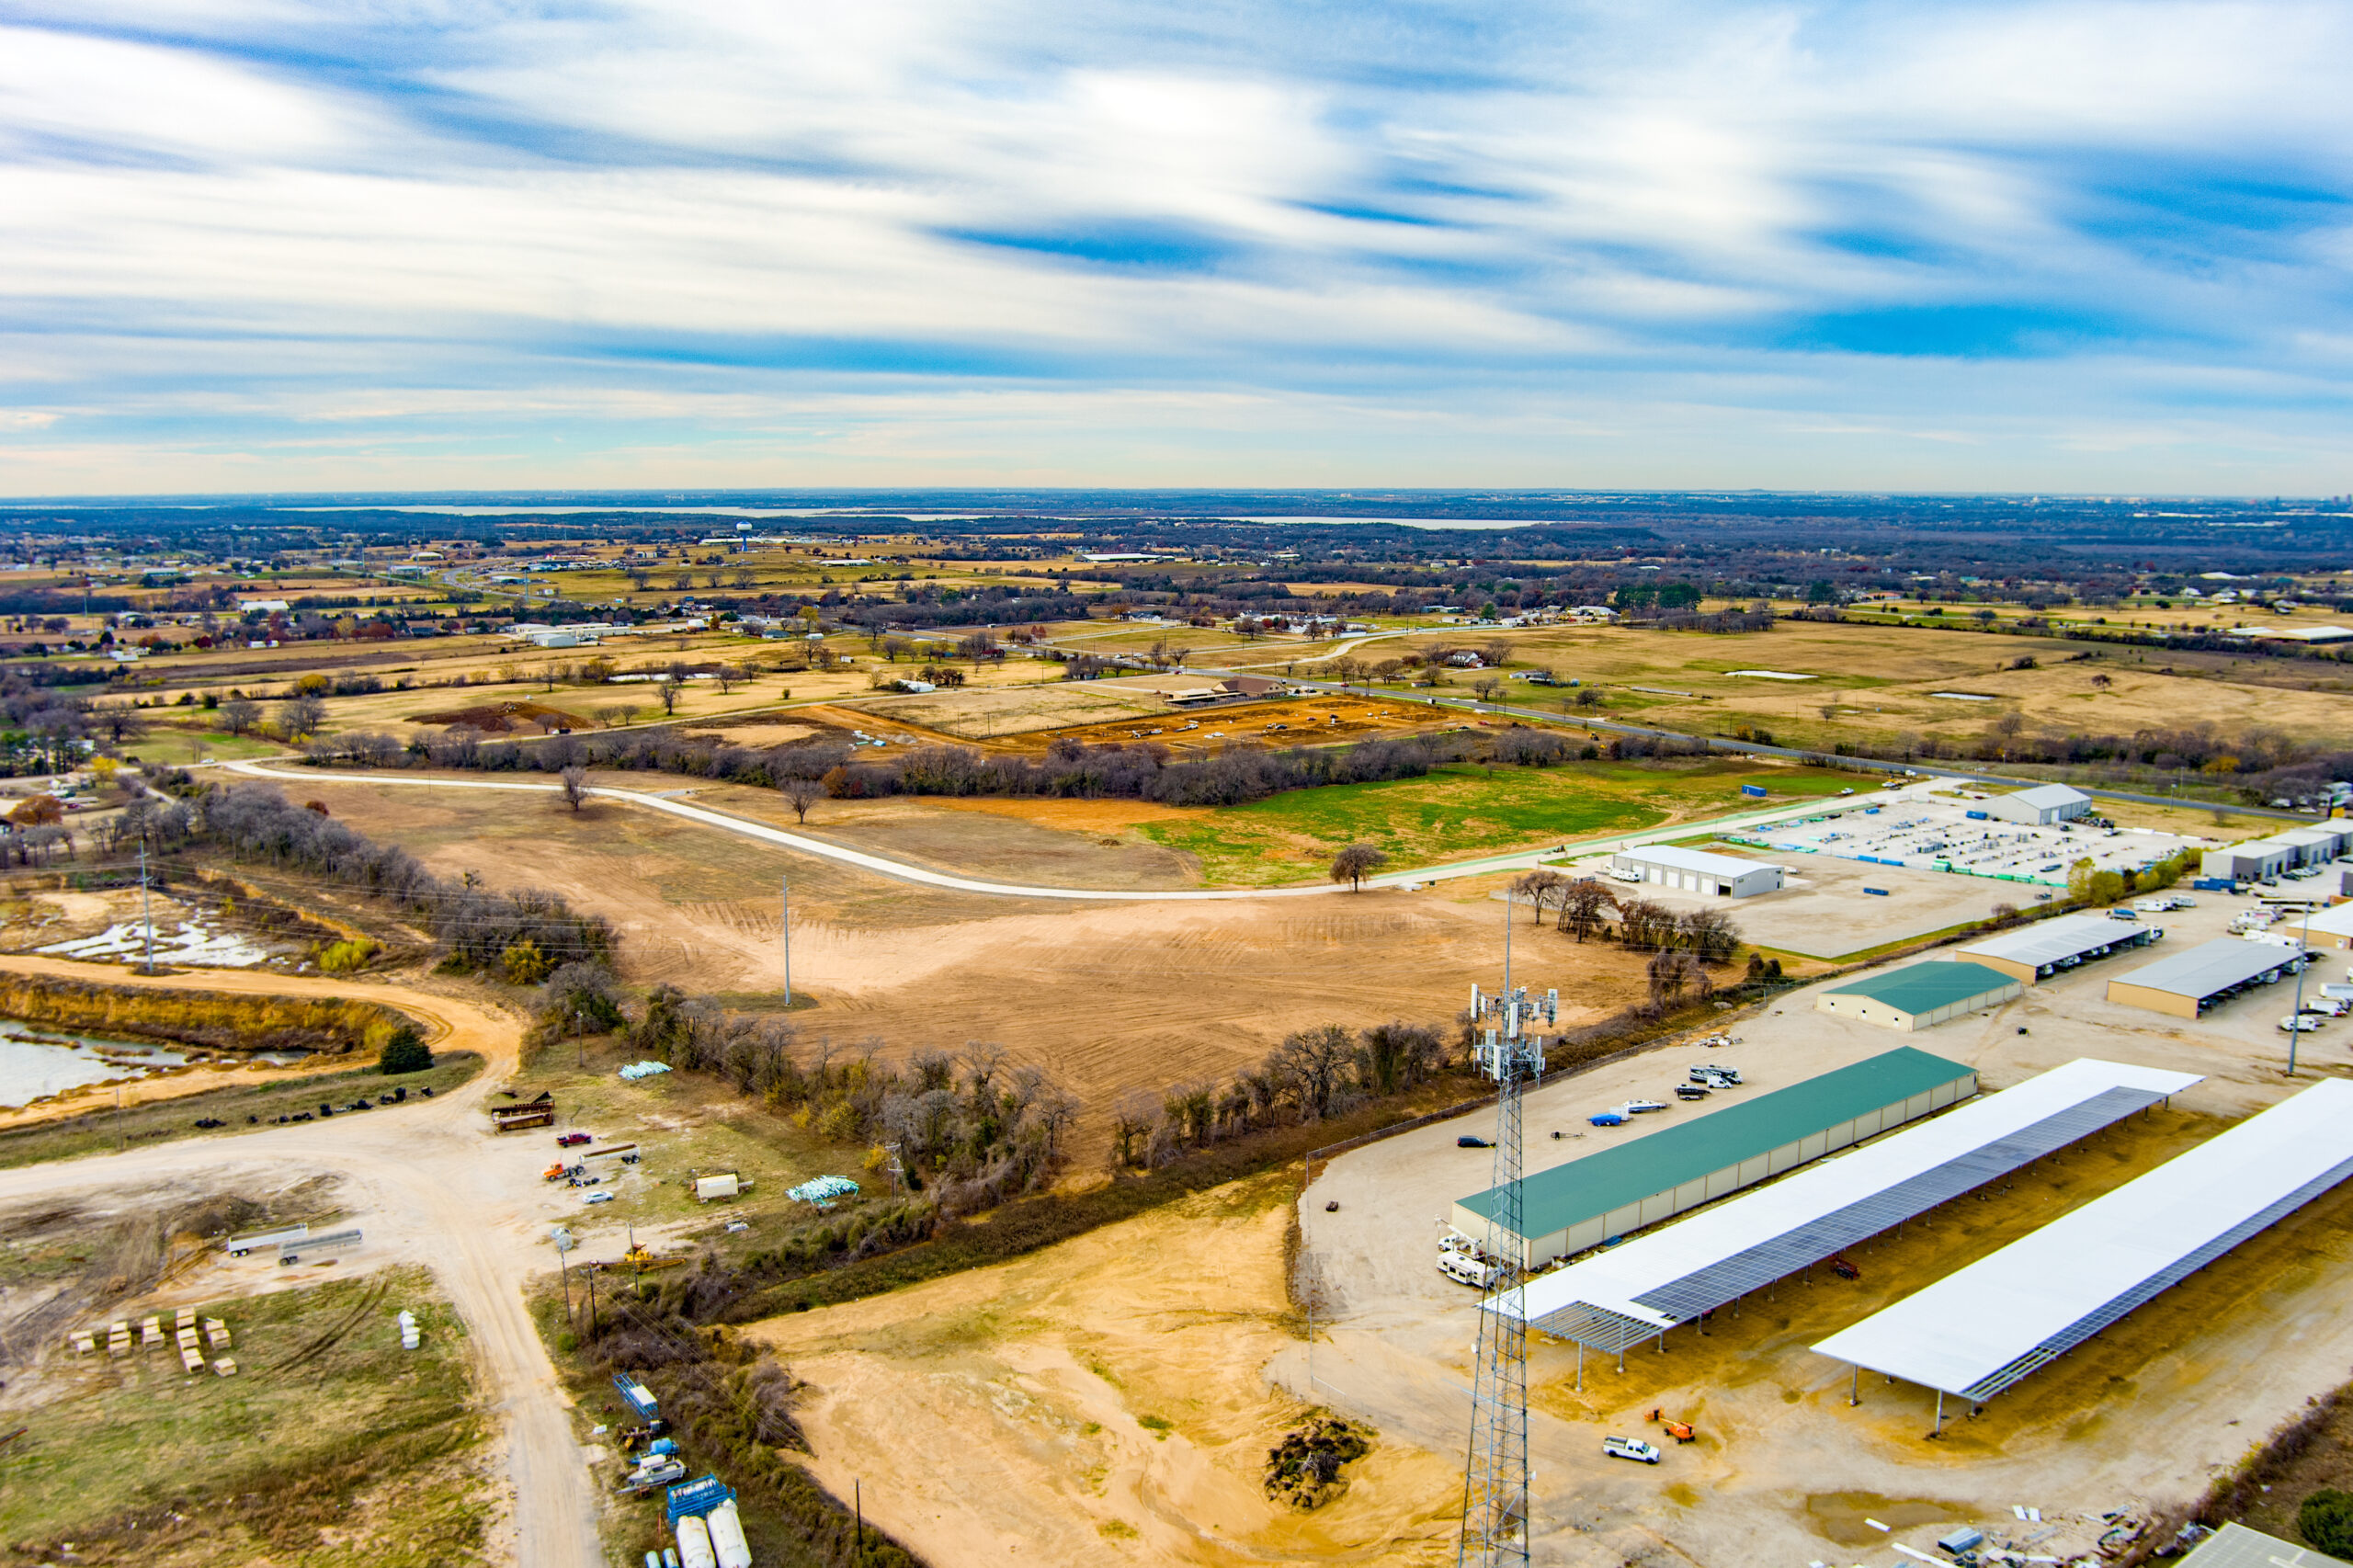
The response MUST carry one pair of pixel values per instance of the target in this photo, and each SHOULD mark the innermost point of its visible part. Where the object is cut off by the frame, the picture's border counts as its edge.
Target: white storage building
(2253, 861)
(2047, 947)
(2040, 806)
(1695, 870)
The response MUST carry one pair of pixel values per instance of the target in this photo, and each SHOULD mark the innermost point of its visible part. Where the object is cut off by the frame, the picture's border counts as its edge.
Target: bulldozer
(639, 1259)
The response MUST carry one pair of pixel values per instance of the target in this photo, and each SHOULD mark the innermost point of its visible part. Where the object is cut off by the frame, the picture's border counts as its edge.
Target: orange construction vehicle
(1678, 1430)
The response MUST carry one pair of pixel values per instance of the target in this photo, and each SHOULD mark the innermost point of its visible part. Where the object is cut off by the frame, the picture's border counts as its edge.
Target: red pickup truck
(574, 1140)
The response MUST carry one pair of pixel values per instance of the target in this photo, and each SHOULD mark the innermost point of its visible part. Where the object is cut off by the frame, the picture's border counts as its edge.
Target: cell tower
(1495, 1478)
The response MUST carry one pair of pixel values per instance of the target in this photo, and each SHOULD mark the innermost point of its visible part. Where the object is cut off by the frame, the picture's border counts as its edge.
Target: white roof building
(1695, 870)
(2043, 805)
(1981, 1330)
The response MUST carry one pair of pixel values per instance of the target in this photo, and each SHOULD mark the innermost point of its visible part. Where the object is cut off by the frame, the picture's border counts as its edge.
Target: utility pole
(1496, 1474)
(784, 922)
(146, 908)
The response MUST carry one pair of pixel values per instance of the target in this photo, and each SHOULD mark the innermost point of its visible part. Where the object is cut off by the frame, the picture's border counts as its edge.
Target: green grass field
(1464, 811)
(288, 1436)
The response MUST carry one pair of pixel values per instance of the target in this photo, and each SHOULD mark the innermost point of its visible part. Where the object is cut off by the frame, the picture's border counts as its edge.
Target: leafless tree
(573, 781)
(668, 690)
(1670, 971)
(801, 794)
(1355, 863)
(1311, 1065)
(1540, 888)
(1584, 904)
(240, 714)
(301, 715)
(1710, 935)
(1642, 924)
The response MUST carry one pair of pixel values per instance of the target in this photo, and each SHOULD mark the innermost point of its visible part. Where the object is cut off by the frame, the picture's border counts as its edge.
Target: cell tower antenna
(1494, 1476)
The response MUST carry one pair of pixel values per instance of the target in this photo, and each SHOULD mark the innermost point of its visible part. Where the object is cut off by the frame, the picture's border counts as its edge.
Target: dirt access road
(429, 1187)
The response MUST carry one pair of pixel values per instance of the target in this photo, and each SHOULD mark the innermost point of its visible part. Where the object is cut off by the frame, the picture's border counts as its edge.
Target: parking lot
(1931, 829)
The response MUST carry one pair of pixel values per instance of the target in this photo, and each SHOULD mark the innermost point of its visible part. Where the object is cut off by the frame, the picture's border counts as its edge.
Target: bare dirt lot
(1291, 721)
(1100, 1402)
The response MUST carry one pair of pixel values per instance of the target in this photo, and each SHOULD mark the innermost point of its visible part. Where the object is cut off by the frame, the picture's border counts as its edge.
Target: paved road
(900, 871)
(428, 1187)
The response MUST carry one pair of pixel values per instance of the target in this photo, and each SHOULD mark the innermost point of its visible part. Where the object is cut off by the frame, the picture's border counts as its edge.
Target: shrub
(342, 957)
(524, 963)
(2325, 1521)
(405, 1052)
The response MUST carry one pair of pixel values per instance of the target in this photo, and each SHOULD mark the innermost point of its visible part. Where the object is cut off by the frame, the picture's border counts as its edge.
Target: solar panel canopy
(1976, 1332)
(1628, 1293)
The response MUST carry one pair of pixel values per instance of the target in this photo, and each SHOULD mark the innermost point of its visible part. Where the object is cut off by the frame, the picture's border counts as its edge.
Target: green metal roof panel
(1572, 1193)
(1925, 987)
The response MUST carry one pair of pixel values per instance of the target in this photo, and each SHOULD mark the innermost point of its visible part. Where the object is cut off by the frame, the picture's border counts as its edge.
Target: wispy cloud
(2085, 245)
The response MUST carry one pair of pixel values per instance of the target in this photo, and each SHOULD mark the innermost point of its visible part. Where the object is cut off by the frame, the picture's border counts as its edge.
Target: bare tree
(573, 781)
(1670, 972)
(301, 715)
(1355, 863)
(1311, 1064)
(1642, 924)
(801, 794)
(668, 690)
(1584, 903)
(240, 714)
(1538, 887)
(1710, 934)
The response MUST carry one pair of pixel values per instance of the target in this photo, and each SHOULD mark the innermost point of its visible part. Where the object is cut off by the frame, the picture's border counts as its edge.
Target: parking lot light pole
(2303, 963)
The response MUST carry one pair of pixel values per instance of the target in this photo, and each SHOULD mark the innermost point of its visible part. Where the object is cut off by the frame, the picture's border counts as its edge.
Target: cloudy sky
(279, 246)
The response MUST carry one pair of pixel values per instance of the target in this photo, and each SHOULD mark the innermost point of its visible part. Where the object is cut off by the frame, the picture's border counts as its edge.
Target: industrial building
(2328, 927)
(1695, 870)
(2261, 858)
(1919, 997)
(1631, 1293)
(2042, 806)
(2235, 1546)
(1981, 1330)
(2187, 982)
(1582, 1203)
(2048, 947)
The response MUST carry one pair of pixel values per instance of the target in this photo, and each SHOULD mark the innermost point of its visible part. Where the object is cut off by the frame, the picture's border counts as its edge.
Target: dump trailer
(256, 1241)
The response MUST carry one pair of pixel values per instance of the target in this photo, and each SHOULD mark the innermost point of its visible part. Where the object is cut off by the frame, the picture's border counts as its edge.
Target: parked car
(1467, 1142)
(1715, 1076)
(2122, 915)
(573, 1140)
(1630, 1449)
(2300, 1023)
(1690, 1092)
(599, 1198)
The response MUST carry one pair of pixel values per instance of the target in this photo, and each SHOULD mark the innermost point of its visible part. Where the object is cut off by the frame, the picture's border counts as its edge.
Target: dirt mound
(1304, 1469)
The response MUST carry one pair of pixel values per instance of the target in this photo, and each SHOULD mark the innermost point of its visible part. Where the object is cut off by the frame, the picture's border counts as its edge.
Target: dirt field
(1785, 1471)
(998, 1417)
(1291, 721)
(1108, 998)
(987, 713)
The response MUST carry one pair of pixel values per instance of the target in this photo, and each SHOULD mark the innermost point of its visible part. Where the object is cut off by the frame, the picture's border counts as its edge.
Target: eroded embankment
(216, 1021)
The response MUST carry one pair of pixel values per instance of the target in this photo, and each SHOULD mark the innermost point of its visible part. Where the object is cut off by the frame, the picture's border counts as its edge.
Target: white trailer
(256, 1241)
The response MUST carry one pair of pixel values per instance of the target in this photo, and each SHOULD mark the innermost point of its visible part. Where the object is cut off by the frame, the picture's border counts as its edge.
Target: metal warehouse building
(1696, 870)
(2048, 947)
(2187, 982)
(1582, 1203)
(1919, 997)
(2040, 806)
(2258, 858)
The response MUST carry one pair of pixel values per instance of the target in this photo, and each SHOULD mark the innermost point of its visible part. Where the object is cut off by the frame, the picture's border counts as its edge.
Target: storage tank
(694, 1545)
(727, 1536)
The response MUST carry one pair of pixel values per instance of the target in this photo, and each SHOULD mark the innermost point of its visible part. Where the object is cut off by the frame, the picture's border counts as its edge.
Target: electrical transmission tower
(1495, 1478)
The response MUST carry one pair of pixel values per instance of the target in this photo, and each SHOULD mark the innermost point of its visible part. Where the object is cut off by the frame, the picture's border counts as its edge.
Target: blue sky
(280, 246)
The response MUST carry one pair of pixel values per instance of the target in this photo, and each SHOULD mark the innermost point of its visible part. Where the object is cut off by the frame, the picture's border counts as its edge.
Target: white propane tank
(669, 1557)
(694, 1545)
(653, 1559)
(727, 1536)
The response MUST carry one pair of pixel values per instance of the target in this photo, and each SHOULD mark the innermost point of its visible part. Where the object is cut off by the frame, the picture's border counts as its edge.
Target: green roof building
(1582, 1203)
(1917, 998)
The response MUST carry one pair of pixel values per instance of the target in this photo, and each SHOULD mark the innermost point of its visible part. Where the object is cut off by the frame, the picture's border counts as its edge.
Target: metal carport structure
(1979, 1331)
(1619, 1296)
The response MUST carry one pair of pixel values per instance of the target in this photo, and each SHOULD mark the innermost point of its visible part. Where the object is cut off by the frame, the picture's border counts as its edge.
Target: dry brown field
(1109, 997)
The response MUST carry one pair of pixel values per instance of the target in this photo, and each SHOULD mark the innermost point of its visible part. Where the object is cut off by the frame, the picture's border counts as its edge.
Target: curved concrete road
(902, 870)
(431, 1187)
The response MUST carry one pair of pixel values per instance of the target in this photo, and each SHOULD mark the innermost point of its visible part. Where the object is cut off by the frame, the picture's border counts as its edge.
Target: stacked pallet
(83, 1342)
(151, 1331)
(216, 1334)
(118, 1339)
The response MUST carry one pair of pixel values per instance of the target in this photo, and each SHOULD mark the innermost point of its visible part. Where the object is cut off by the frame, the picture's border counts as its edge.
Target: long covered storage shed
(2187, 982)
(1979, 1331)
(1917, 998)
(1582, 1203)
(2048, 947)
(1630, 1293)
